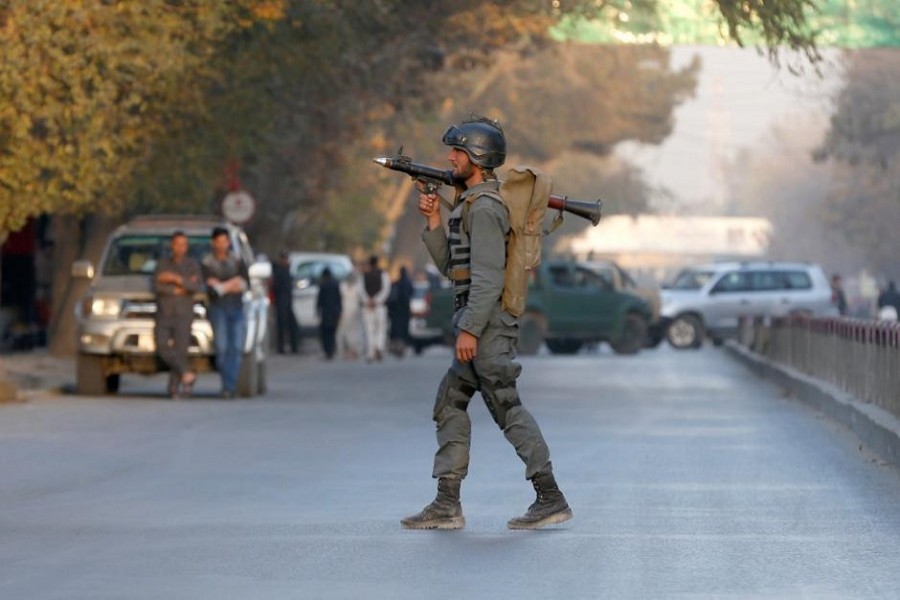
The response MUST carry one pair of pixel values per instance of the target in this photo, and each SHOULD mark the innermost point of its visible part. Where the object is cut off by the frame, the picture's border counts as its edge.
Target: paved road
(688, 476)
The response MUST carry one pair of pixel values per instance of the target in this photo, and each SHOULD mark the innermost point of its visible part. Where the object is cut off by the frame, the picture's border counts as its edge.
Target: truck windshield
(138, 254)
(691, 280)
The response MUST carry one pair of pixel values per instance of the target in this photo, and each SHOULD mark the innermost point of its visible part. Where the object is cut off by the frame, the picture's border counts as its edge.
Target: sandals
(187, 383)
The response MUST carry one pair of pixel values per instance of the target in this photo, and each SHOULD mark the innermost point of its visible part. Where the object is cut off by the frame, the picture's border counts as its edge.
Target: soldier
(474, 257)
(175, 281)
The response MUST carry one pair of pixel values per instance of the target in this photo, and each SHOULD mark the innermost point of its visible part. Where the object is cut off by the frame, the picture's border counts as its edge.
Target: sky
(740, 97)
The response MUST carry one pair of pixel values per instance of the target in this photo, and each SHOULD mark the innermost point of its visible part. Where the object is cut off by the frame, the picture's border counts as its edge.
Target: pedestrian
(175, 280)
(226, 279)
(473, 255)
(376, 287)
(889, 303)
(349, 335)
(328, 307)
(287, 332)
(838, 298)
(399, 312)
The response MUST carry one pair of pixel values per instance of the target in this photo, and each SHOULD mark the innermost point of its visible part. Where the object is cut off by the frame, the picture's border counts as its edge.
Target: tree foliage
(90, 88)
(115, 105)
(864, 145)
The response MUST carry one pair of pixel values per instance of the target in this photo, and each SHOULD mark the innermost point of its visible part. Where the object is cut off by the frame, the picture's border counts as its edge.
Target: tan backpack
(525, 193)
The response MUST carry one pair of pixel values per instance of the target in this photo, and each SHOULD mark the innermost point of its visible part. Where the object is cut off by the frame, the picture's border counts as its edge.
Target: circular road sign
(238, 207)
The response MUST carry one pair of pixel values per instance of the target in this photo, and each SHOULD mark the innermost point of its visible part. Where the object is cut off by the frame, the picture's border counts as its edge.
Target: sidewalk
(875, 427)
(37, 370)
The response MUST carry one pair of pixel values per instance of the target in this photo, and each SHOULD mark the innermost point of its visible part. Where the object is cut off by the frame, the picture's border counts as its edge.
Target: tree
(864, 145)
(89, 88)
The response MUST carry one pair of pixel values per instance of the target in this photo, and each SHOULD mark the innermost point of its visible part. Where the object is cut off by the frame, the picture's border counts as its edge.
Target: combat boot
(549, 508)
(445, 512)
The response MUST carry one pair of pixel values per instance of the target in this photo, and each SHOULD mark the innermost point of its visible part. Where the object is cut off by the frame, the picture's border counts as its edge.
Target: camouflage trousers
(493, 372)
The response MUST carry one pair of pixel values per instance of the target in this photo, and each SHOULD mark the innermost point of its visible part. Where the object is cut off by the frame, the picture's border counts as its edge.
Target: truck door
(571, 301)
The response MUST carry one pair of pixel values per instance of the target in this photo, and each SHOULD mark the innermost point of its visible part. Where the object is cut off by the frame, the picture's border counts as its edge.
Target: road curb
(875, 427)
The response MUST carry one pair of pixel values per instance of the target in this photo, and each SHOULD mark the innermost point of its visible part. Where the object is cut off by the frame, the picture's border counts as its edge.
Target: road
(688, 476)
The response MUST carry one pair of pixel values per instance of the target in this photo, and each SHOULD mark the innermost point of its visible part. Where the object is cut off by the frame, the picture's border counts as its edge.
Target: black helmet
(481, 138)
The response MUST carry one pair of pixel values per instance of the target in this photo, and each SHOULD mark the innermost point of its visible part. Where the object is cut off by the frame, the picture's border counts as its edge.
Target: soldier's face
(463, 168)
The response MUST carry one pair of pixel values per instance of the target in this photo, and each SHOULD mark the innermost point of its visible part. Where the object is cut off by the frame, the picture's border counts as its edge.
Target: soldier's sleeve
(437, 246)
(487, 233)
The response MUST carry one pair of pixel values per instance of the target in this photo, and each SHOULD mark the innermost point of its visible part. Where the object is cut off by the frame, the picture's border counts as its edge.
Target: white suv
(306, 270)
(710, 299)
(116, 315)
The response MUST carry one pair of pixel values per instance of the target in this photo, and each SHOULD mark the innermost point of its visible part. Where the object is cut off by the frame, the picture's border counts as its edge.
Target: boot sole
(560, 517)
(454, 523)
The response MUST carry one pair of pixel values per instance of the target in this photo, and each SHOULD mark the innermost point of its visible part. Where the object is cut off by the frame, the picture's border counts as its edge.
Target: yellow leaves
(270, 10)
(87, 88)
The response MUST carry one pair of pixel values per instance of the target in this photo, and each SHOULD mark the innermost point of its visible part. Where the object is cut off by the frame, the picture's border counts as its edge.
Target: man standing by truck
(474, 257)
(175, 281)
(226, 279)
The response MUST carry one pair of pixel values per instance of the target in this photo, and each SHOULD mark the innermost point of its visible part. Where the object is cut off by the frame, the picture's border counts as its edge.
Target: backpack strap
(465, 211)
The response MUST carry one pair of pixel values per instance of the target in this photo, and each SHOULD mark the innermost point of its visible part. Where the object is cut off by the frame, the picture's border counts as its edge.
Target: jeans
(229, 328)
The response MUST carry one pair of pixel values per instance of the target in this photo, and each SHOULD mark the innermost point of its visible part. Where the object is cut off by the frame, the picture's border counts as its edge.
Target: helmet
(482, 139)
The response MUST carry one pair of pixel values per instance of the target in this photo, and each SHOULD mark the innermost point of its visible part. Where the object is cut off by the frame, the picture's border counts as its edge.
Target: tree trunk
(74, 239)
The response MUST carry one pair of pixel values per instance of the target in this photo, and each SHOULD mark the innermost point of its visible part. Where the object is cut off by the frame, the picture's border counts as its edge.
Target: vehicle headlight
(99, 306)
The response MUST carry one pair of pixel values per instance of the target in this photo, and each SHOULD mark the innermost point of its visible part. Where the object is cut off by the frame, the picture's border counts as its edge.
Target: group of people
(365, 314)
(176, 279)
(887, 304)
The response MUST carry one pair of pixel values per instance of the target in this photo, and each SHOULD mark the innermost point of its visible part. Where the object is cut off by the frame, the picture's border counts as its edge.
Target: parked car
(116, 316)
(306, 271)
(422, 333)
(568, 305)
(709, 300)
(620, 280)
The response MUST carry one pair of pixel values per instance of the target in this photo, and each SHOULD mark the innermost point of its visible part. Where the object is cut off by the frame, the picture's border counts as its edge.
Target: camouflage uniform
(478, 274)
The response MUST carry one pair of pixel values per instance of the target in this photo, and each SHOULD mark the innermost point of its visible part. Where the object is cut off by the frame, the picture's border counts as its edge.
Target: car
(710, 299)
(116, 315)
(568, 306)
(306, 270)
(421, 333)
(620, 280)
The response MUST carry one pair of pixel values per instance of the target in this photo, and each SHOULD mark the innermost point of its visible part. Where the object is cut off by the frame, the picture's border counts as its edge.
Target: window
(691, 280)
(138, 254)
(734, 281)
(797, 280)
(766, 281)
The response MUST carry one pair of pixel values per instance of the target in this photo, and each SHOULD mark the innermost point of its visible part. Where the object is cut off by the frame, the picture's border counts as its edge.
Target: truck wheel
(686, 331)
(247, 385)
(564, 346)
(654, 337)
(90, 380)
(531, 334)
(634, 335)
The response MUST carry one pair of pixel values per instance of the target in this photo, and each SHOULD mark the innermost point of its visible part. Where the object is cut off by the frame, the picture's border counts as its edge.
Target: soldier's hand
(466, 346)
(429, 205)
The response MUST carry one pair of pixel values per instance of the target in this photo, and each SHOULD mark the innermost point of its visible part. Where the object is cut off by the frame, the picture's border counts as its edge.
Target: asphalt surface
(689, 477)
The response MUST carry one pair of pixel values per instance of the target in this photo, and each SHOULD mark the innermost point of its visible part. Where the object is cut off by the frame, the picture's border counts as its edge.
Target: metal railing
(859, 356)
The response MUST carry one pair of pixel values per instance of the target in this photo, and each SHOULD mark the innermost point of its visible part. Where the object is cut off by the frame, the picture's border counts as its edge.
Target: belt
(460, 300)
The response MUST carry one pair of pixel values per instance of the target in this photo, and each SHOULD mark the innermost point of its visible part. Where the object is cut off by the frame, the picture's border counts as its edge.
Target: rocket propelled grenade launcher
(433, 178)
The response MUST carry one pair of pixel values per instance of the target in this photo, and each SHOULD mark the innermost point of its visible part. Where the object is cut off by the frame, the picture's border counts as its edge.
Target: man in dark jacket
(890, 297)
(399, 313)
(286, 329)
(175, 281)
(328, 307)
